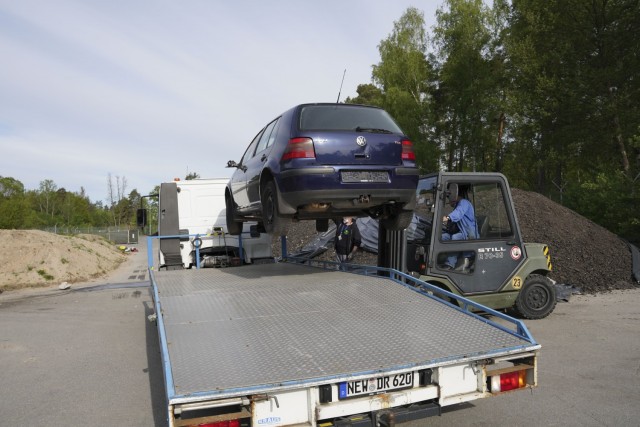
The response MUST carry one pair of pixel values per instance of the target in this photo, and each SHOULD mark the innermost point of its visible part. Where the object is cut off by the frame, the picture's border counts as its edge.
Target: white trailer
(194, 210)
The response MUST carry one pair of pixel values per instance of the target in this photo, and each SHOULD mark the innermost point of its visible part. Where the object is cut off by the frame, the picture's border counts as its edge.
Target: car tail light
(299, 148)
(509, 381)
(407, 151)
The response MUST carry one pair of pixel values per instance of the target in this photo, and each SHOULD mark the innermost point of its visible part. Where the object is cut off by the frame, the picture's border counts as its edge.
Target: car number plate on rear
(375, 385)
(364, 176)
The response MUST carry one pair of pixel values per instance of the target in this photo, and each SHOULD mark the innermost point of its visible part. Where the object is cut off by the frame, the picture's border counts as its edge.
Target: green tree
(152, 210)
(401, 83)
(116, 189)
(10, 187)
(368, 94)
(469, 97)
(13, 205)
(134, 202)
(575, 73)
(47, 197)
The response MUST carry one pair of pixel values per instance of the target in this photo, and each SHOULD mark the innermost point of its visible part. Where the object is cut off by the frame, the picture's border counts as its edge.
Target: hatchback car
(323, 162)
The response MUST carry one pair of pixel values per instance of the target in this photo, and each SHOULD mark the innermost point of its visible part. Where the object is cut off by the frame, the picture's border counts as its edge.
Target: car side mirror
(232, 164)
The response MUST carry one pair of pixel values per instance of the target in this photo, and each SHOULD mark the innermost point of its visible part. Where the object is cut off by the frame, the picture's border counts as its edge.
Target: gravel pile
(584, 254)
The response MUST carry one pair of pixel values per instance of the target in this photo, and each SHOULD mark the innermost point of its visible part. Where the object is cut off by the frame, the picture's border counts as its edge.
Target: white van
(197, 207)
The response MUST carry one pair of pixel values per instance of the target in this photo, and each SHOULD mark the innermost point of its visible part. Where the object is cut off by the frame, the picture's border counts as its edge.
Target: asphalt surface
(89, 355)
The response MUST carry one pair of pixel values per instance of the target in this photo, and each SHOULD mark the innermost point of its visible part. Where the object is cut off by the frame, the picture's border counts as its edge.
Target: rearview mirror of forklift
(232, 164)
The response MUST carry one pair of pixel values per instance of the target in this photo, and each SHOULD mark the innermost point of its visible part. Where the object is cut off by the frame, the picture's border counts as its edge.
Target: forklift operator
(460, 225)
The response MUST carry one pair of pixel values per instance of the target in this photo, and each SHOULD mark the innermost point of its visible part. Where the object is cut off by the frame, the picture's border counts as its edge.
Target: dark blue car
(322, 162)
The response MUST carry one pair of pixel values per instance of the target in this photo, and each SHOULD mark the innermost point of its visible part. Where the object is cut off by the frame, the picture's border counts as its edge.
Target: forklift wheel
(537, 299)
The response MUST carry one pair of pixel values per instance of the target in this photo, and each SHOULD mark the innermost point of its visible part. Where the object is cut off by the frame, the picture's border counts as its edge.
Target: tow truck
(299, 342)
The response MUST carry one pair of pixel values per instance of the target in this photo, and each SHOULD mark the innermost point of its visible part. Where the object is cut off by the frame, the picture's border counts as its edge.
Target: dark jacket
(347, 238)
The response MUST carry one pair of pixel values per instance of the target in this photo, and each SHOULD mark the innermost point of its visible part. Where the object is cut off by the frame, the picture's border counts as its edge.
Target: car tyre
(398, 221)
(537, 298)
(234, 227)
(271, 219)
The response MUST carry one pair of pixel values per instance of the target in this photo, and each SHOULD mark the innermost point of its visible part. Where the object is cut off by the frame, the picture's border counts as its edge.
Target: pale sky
(152, 90)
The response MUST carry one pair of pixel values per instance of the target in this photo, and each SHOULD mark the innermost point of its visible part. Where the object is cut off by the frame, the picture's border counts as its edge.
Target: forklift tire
(537, 298)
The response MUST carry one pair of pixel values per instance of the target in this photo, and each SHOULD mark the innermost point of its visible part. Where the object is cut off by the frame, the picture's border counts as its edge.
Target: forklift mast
(392, 248)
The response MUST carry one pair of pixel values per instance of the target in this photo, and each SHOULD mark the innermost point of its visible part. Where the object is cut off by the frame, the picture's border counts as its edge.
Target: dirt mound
(583, 253)
(38, 258)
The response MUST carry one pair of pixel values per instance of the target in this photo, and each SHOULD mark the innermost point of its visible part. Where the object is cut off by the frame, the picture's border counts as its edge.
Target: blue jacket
(465, 216)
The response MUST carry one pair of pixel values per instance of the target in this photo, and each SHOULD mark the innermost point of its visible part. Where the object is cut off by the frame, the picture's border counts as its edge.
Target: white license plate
(364, 176)
(375, 385)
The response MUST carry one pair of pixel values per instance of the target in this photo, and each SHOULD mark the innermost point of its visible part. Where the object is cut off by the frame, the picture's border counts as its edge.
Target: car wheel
(537, 298)
(322, 225)
(273, 222)
(398, 221)
(234, 227)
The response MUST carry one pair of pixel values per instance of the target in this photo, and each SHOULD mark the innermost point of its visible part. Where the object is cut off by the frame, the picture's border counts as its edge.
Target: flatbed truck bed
(290, 344)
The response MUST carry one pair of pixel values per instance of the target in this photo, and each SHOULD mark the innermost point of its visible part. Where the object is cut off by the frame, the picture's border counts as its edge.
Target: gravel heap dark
(583, 253)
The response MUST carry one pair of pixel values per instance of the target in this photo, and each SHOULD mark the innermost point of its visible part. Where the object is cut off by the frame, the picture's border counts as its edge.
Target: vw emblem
(361, 141)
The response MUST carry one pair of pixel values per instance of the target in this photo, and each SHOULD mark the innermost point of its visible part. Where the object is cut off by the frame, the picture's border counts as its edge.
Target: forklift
(496, 268)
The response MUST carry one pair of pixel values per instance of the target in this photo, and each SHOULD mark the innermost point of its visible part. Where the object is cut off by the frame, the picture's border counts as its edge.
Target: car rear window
(343, 117)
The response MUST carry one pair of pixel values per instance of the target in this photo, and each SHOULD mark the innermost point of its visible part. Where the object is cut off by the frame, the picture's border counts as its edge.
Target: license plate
(374, 385)
(364, 176)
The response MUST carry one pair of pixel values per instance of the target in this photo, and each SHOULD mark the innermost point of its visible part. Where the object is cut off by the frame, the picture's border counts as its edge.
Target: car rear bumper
(330, 170)
(322, 188)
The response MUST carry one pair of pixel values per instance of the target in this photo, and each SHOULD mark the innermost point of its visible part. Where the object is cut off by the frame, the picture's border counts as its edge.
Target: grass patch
(45, 275)
(64, 261)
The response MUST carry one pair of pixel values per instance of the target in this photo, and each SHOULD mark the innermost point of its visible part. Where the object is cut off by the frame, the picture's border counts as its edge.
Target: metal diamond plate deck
(265, 324)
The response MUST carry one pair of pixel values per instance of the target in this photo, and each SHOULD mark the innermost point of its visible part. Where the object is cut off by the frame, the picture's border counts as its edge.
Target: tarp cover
(368, 227)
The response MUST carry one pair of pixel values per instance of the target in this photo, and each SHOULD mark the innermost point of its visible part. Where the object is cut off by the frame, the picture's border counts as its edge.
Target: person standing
(347, 240)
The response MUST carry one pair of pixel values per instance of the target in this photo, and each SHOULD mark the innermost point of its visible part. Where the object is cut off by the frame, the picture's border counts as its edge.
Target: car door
(238, 182)
(256, 164)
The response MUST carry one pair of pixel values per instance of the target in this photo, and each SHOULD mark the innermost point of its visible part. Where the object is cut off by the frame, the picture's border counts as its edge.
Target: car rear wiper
(373, 130)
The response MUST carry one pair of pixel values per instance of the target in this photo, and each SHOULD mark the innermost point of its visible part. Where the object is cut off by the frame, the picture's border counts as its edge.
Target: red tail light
(407, 151)
(299, 148)
(509, 381)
